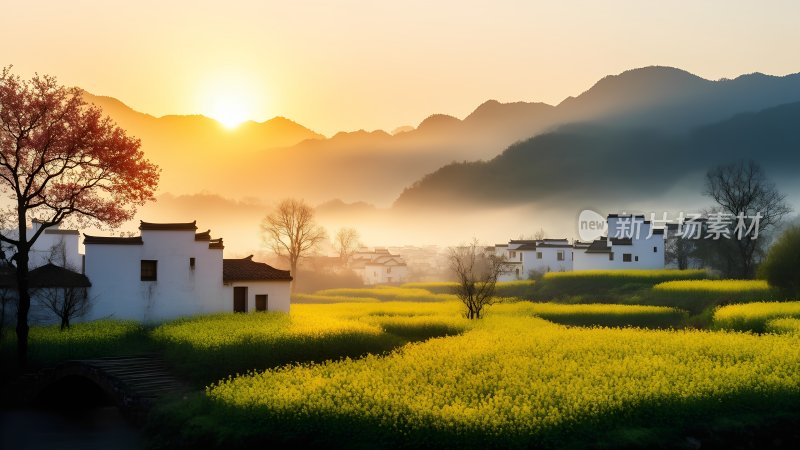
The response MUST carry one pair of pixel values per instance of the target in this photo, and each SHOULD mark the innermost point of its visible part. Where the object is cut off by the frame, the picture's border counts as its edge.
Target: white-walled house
(632, 243)
(255, 286)
(170, 271)
(525, 256)
(379, 267)
(546, 255)
(54, 245)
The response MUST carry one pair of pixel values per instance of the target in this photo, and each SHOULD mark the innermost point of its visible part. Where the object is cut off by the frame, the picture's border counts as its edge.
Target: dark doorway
(240, 299)
(261, 302)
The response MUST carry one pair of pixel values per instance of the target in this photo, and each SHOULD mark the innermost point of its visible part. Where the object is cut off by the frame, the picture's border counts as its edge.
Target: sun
(230, 98)
(229, 110)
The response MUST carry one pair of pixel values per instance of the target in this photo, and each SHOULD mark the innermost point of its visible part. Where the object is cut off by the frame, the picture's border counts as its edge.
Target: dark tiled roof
(552, 245)
(598, 246)
(216, 244)
(581, 245)
(246, 269)
(59, 231)
(633, 216)
(622, 241)
(135, 240)
(522, 241)
(204, 236)
(51, 275)
(168, 226)
(526, 247)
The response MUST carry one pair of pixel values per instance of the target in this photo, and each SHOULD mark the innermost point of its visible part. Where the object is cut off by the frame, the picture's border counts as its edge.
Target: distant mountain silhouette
(277, 158)
(669, 98)
(198, 144)
(585, 164)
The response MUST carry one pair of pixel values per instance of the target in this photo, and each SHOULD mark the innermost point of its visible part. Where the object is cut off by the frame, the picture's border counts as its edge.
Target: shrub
(781, 268)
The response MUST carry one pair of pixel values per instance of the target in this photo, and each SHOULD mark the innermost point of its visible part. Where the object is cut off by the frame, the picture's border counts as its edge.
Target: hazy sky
(345, 65)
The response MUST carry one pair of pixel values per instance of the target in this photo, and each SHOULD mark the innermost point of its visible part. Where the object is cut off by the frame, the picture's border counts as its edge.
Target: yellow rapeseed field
(786, 325)
(753, 316)
(513, 380)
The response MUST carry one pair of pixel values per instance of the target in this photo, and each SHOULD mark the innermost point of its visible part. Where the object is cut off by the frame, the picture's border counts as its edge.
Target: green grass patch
(49, 345)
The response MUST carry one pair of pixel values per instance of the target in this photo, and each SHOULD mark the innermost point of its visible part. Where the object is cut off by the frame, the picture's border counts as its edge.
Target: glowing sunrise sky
(345, 65)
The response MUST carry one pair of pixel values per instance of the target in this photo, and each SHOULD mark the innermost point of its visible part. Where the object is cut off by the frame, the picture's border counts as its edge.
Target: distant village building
(379, 266)
(168, 271)
(54, 245)
(638, 247)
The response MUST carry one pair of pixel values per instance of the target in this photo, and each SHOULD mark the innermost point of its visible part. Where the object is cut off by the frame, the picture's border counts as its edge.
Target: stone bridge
(132, 383)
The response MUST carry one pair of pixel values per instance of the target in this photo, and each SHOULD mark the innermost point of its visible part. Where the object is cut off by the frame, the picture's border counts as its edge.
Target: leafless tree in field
(346, 243)
(743, 188)
(290, 231)
(476, 274)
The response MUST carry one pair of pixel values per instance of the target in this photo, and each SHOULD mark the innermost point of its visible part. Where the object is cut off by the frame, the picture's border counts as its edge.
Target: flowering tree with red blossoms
(61, 159)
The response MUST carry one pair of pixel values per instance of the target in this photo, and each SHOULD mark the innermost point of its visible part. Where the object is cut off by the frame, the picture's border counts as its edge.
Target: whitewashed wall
(278, 292)
(117, 290)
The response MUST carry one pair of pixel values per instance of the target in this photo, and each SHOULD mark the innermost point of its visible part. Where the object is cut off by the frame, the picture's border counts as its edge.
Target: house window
(538, 255)
(655, 249)
(261, 302)
(611, 256)
(560, 255)
(636, 258)
(513, 255)
(517, 271)
(191, 263)
(149, 270)
(626, 257)
(520, 256)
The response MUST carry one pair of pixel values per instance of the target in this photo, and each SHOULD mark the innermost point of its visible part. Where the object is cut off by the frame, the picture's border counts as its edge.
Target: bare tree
(539, 235)
(678, 250)
(66, 302)
(743, 188)
(346, 243)
(290, 231)
(476, 273)
(59, 288)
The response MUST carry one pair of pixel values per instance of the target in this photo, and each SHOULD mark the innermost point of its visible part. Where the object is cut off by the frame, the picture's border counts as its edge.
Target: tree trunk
(293, 273)
(24, 305)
